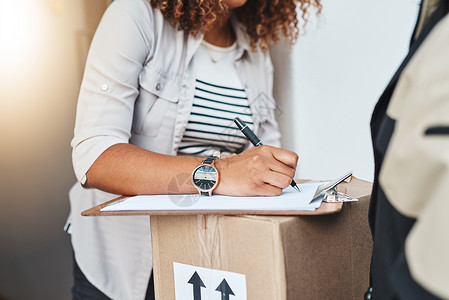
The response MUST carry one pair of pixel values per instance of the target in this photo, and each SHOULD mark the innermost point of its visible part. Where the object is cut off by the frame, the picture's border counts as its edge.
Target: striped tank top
(219, 97)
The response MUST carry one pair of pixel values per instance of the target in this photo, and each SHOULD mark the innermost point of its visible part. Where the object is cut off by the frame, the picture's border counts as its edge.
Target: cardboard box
(283, 257)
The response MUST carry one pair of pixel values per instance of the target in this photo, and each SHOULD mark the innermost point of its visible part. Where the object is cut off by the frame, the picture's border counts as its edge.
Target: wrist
(221, 166)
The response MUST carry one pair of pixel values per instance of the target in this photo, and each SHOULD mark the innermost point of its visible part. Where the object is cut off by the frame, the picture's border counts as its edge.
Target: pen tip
(297, 188)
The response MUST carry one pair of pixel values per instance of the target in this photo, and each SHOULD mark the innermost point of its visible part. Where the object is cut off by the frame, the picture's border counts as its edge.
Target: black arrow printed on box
(225, 290)
(197, 283)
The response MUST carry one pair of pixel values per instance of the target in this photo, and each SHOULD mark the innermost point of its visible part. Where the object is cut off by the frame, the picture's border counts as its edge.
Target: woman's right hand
(259, 171)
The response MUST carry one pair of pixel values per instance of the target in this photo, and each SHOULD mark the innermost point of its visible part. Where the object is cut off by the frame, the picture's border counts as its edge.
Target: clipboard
(326, 207)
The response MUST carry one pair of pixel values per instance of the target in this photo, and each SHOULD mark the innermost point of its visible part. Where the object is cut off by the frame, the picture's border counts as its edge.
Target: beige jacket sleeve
(415, 172)
(109, 88)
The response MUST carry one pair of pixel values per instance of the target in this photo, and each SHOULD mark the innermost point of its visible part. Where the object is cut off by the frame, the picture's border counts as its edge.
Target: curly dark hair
(265, 20)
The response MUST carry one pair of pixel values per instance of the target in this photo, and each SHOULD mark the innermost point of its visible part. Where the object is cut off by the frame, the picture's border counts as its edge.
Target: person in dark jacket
(409, 210)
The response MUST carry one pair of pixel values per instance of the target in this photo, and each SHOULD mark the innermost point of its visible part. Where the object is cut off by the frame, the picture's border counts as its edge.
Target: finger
(278, 180)
(265, 165)
(279, 167)
(286, 157)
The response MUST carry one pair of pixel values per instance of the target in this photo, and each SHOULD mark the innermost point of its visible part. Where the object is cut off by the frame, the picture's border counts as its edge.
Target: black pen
(256, 142)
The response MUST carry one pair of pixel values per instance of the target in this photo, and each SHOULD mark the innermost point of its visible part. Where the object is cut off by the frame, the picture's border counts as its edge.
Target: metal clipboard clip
(334, 196)
(329, 191)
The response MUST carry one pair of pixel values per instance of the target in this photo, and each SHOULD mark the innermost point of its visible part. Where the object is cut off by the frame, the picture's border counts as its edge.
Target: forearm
(125, 169)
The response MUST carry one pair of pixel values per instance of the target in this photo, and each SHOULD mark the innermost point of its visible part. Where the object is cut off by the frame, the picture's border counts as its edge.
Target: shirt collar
(243, 40)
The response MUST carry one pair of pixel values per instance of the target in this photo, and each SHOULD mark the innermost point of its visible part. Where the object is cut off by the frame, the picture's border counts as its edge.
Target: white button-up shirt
(138, 87)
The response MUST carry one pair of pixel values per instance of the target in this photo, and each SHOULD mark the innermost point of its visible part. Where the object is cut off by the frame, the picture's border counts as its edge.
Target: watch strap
(210, 160)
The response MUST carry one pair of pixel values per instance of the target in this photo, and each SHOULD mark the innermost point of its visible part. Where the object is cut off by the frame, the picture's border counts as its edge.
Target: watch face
(205, 177)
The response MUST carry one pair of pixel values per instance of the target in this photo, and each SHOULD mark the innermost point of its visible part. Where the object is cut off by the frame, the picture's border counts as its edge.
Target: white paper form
(290, 199)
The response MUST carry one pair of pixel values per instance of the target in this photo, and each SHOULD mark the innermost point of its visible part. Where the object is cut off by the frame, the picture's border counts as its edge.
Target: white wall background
(43, 47)
(327, 86)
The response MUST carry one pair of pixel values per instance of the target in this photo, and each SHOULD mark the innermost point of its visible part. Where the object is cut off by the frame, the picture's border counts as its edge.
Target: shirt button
(158, 87)
(104, 87)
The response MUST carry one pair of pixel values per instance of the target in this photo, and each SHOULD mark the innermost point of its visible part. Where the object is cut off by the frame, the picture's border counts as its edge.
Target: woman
(163, 82)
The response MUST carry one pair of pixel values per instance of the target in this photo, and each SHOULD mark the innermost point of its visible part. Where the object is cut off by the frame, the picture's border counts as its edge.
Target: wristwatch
(205, 177)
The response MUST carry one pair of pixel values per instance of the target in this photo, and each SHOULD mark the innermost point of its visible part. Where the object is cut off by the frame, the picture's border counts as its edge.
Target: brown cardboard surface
(301, 257)
(332, 261)
(219, 242)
